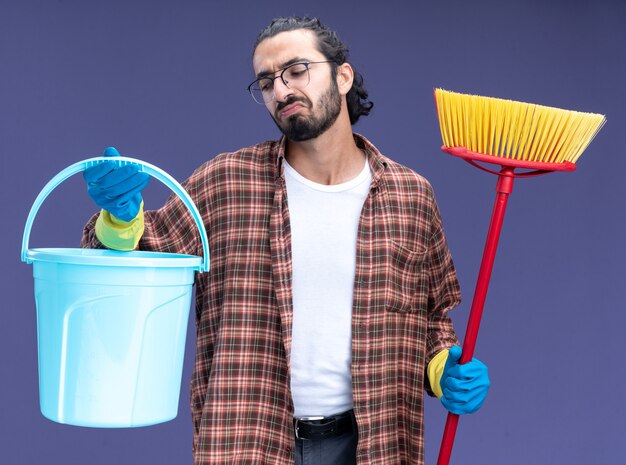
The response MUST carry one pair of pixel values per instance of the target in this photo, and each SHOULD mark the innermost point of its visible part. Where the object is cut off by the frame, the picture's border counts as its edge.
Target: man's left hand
(464, 386)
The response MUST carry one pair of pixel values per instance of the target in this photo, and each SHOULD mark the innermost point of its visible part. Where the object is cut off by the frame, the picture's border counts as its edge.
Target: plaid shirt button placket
(405, 283)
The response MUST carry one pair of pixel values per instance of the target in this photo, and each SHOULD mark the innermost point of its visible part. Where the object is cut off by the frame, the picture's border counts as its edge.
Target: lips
(290, 109)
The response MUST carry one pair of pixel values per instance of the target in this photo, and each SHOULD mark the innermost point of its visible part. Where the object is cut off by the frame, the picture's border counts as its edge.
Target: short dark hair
(332, 48)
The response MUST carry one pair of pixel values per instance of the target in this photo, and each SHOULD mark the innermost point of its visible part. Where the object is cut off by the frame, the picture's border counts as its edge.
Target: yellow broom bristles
(516, 130)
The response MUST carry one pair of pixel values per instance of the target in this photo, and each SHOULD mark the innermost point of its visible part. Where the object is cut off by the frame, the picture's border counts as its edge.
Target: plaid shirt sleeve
(444, 292)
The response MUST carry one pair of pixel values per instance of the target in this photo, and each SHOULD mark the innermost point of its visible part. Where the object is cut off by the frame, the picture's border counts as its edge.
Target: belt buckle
(299, 419)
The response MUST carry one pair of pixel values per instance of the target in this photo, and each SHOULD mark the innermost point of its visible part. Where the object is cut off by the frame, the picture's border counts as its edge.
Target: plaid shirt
(405, 283)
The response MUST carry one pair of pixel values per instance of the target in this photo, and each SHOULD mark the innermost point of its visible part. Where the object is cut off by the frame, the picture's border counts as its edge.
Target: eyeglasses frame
(281, 76)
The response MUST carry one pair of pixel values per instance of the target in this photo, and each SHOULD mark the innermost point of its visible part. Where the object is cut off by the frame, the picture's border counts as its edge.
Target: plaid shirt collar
(377, 161)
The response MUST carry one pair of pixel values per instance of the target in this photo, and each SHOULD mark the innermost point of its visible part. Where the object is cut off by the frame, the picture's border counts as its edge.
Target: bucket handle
(152, 170)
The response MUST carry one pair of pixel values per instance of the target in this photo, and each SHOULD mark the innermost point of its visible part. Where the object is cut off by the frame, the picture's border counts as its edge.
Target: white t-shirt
(324, 222)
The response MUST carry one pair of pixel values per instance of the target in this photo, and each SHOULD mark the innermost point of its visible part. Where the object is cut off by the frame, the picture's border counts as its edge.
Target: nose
(281, 91)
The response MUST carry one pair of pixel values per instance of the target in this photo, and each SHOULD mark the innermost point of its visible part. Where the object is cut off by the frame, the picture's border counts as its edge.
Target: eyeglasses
(295, 76)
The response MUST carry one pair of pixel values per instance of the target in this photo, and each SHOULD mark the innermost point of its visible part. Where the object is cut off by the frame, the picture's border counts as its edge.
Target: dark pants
(340, 450)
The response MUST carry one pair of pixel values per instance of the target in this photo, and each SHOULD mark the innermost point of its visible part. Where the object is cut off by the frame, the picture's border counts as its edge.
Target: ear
(345, 77)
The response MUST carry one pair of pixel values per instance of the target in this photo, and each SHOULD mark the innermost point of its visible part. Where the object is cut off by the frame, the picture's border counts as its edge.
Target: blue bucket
(111, 325)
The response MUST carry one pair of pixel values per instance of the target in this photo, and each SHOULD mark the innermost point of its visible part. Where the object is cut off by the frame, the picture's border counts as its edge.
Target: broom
(513, 135)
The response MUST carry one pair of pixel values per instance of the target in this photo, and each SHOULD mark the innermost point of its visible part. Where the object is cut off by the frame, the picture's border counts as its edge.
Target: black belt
(316, 428)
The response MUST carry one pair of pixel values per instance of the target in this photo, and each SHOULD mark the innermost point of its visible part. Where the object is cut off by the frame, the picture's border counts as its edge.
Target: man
(324, 316)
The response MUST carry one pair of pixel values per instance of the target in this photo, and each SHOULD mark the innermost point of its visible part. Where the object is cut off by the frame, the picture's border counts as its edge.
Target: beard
(298, 128)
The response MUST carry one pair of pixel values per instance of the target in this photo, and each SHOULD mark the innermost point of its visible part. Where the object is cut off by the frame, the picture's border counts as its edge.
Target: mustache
(289, 101)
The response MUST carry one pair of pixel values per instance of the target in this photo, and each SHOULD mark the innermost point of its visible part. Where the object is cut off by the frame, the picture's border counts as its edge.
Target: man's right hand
(116, 189)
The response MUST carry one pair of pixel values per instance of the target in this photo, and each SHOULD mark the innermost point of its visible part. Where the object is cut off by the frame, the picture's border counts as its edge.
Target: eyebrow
(264, 73)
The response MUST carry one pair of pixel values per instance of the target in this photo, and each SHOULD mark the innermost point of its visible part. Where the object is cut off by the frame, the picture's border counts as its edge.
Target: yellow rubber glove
(435, 371)
(119, 234)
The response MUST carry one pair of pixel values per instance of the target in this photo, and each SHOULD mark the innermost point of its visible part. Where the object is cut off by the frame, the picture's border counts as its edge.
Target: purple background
(165, 81)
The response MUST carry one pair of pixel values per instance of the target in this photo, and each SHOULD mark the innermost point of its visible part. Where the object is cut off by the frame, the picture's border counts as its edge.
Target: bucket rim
(108, 257)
